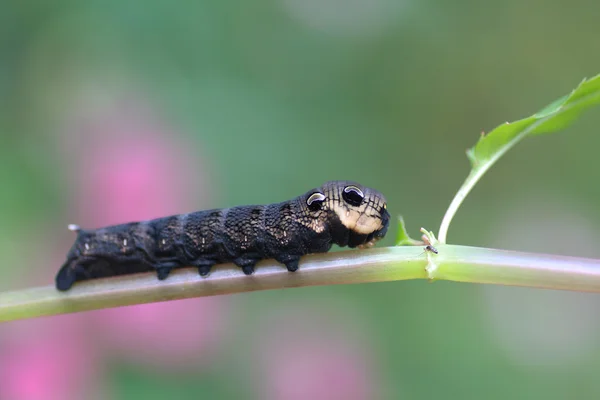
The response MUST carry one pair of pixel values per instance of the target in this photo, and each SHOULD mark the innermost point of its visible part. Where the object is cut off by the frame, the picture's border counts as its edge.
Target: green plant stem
(460, 196)
(453, 263)
(477, 172)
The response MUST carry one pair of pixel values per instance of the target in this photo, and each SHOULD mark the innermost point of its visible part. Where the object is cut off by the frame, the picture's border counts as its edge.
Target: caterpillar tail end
(65, 278)
(74, 227)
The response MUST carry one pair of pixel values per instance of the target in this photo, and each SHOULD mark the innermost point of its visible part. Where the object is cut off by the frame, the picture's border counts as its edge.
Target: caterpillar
(339, 212)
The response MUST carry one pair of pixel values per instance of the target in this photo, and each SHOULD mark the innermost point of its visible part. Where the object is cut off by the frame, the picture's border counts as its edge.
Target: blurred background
(115, 111)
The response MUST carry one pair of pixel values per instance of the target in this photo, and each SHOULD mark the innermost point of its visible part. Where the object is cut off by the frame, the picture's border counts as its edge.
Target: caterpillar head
(355, 215)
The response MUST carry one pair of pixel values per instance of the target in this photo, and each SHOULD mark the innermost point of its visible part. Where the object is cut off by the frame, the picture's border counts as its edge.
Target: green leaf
(402, 238)
(554, 117)
(490, 147)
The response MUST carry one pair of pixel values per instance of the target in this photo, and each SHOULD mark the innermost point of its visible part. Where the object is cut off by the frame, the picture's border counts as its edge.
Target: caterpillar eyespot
(315, 201)
(353, 195)
(339, 212)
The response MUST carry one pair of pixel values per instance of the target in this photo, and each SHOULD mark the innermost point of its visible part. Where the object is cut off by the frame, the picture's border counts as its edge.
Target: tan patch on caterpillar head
(358, 219)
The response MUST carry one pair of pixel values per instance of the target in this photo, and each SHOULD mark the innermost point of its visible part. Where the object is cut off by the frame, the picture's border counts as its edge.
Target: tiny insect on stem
(431, 249)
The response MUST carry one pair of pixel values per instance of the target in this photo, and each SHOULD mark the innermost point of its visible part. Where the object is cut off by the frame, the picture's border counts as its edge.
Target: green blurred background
(268, 98)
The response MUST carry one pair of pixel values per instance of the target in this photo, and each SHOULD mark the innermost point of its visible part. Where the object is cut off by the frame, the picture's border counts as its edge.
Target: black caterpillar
(340, 212)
